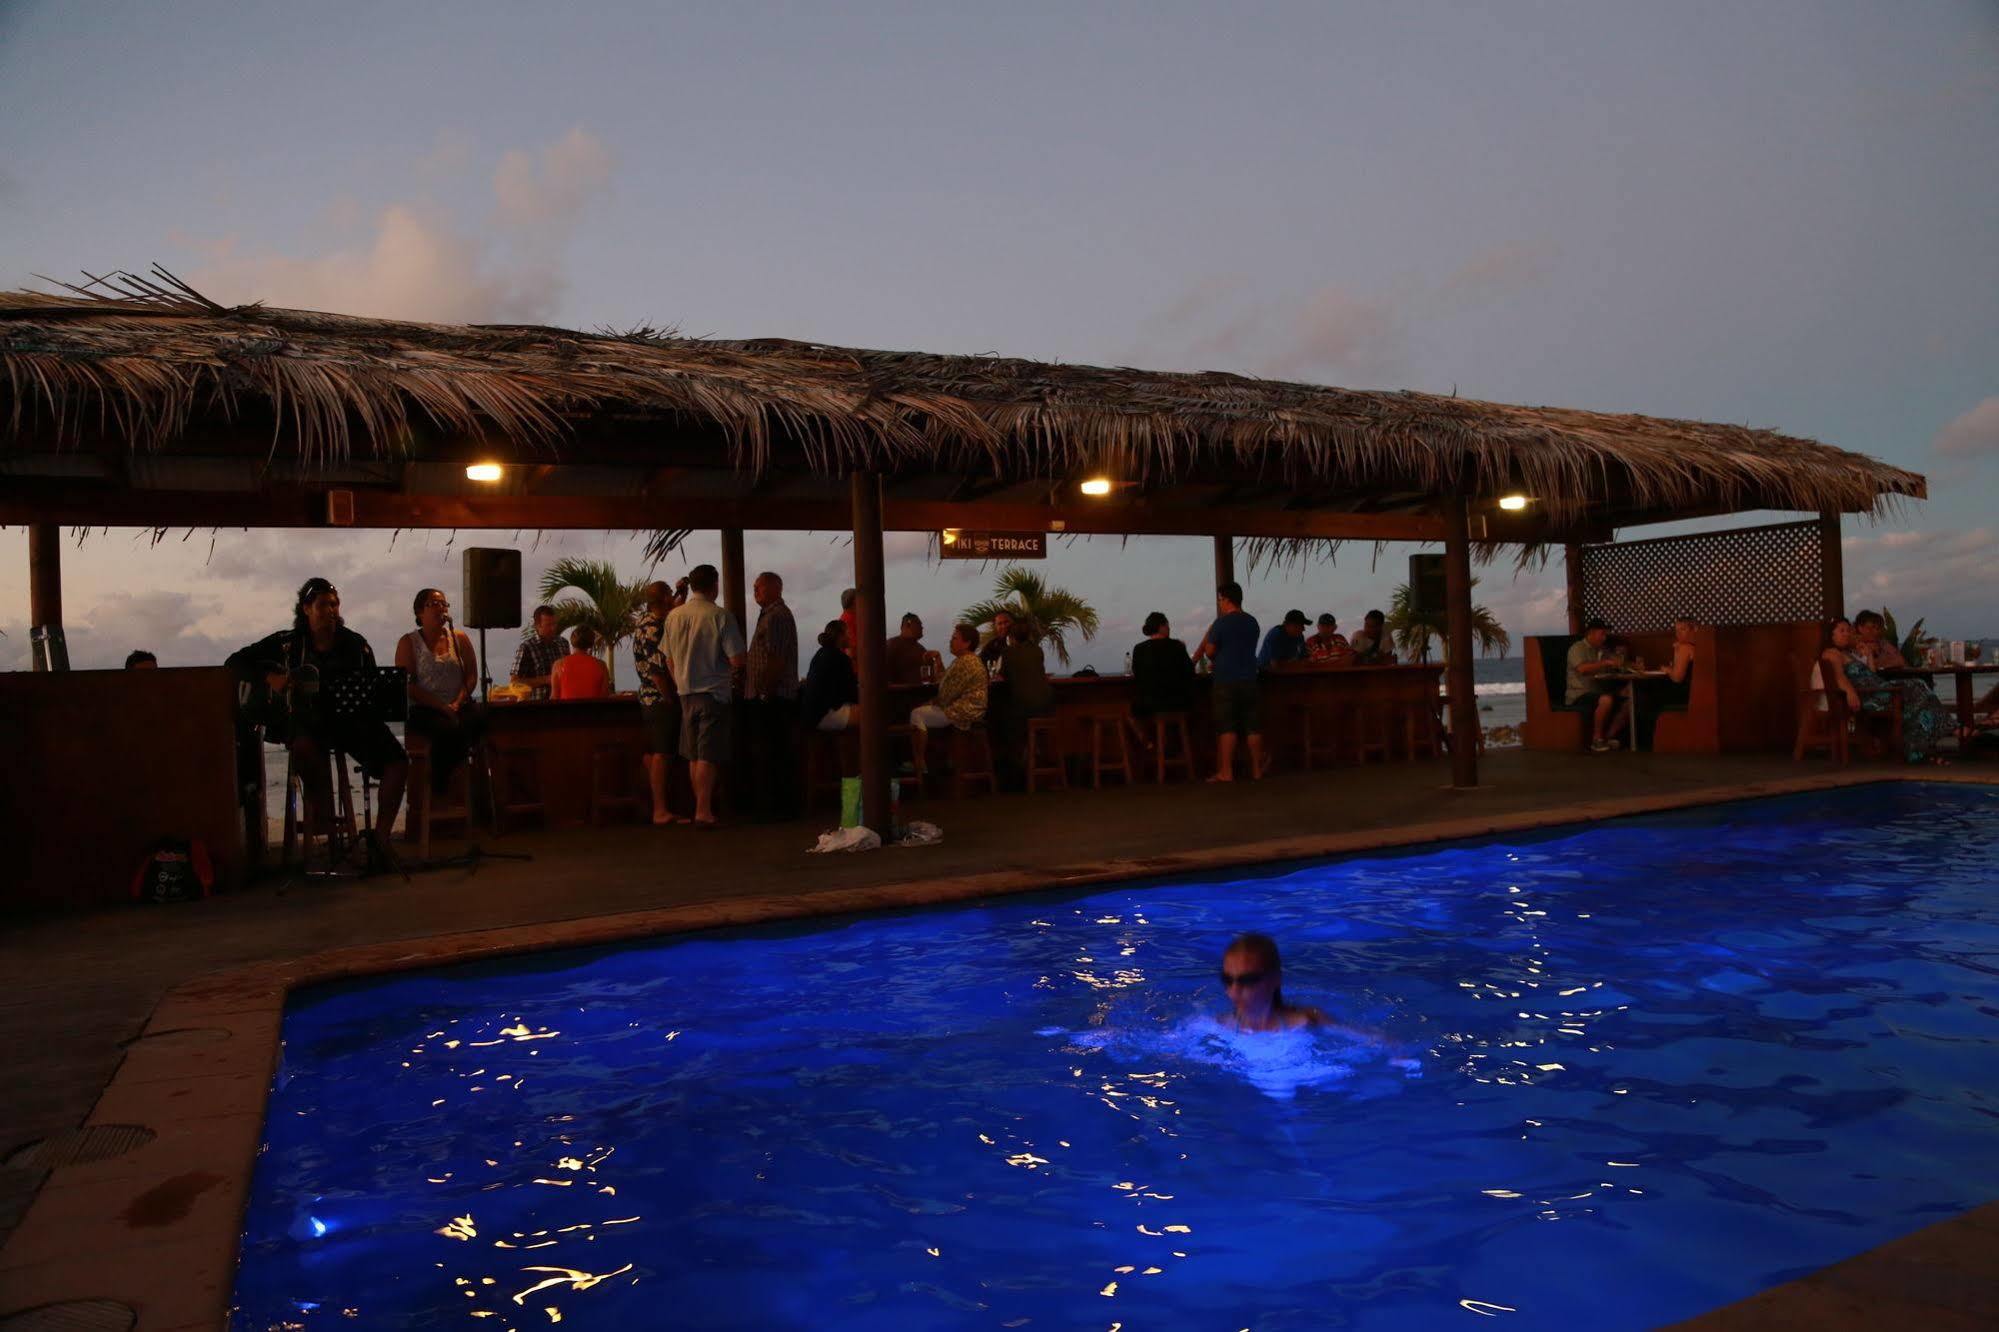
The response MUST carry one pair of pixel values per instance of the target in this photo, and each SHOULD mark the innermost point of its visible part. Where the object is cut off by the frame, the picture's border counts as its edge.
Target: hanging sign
(959, 544)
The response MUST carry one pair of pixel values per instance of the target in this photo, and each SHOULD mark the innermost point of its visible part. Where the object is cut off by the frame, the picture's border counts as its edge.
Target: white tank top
(443, 675)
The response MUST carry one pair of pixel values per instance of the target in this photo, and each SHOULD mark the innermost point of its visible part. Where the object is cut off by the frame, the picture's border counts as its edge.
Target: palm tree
(1413, 629)
(608, 604)
(1051, 611)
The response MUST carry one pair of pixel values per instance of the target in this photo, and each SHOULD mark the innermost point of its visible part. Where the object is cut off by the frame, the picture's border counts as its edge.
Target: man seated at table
(1870, 643)
(1284, 643)
(1371, 646)
(580, 674)
(1162, 674)
(997, 645)
(1591, 663)
(1328, 647)
(538, 653)
(907, 655)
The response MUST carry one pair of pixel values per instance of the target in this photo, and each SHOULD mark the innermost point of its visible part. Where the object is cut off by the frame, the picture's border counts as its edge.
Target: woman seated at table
(581, 674)
(1162, 674)
(442, 675)
(1923, 718)
(961, 694)
(1677, 687)
(831, 696)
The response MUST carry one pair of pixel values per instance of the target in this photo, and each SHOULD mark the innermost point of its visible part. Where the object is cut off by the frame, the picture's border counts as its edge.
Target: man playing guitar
(292, 664)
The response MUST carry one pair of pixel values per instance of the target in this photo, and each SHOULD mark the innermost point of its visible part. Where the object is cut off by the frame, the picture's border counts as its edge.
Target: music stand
(379, 693)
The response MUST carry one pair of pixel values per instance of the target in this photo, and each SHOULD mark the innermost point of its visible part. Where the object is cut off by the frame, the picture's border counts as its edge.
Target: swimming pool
(1661, 1064)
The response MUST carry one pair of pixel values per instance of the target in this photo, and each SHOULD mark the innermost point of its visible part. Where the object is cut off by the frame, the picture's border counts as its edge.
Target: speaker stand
(485, 670)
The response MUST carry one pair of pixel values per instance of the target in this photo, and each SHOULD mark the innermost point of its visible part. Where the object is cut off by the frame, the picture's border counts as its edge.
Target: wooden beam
(1224, 560)
(94, 504)
(1572, 561)
(1457, 647)
(871, 653)
(733, 600)
(46, 644)
(1832, 569)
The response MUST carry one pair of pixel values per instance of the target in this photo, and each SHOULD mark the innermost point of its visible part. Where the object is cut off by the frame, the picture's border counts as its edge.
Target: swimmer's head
(1253, 975)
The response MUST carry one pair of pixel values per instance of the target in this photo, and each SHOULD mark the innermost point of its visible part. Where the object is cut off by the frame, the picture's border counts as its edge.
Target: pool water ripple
(1621, 1074)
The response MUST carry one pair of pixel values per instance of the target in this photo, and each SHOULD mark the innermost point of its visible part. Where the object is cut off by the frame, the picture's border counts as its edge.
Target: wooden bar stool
(518, 783)
(971, 761)
(904, 735)
(1108, 732)
(1166, 724)
(611, 789)
(829, 756)
(425, 806)
(1370, 732)
(1317, 733)
(1044, 760)
(340, 827)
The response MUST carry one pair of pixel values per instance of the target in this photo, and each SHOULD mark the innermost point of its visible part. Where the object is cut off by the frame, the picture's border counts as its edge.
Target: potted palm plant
(1412, 629)
(1053, 612)
(600, 599)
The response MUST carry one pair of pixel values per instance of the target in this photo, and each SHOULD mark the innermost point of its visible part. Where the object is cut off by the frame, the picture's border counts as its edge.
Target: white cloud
(1976, 431)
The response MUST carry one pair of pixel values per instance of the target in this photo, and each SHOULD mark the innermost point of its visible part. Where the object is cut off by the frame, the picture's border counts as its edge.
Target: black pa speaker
(1426, 584)
(492, 589)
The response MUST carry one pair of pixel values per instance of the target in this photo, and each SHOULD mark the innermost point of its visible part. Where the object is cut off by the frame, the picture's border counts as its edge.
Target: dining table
(1631, 679)
(1962, 672)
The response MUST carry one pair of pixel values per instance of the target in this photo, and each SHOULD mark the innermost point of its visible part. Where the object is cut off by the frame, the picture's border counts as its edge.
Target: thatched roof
(159, 366)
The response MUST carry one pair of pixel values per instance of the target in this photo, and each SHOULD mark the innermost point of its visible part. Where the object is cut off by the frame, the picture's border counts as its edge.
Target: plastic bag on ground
(847, 839)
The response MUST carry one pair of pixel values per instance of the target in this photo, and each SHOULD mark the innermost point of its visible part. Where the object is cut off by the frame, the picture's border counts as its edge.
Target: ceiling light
(1513, 503)
(1097, 485)
(484, 471)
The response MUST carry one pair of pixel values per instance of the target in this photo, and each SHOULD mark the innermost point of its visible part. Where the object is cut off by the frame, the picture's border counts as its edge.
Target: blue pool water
(1659, 1065)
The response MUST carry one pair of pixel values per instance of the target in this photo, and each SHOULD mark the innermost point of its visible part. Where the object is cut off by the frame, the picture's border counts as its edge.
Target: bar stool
(1318, 735)
(829, 756)
(1112, 726)
(515, 797)
(1045, 761)
(611, 783)
(1370, 732)
(425, 807)
(971, 761)
(1420, 731)
(904, 733)
(340, 826)
(1163, 725)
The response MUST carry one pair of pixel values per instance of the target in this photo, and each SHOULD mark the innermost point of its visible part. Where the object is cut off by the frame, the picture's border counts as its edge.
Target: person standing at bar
(581, 675)
(1231, 643)
(770, 694)
(659, 702)
(534, 660)
(997, 645)
(1371, 646)
(704, 649)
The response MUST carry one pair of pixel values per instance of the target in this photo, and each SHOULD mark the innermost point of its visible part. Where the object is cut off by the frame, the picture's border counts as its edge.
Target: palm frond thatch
(148, 360)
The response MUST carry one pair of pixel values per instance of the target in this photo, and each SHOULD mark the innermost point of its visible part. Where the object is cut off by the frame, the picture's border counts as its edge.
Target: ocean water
(1604, 1077)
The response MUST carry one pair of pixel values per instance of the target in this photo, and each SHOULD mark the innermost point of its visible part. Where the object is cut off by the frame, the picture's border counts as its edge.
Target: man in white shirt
(703, 645)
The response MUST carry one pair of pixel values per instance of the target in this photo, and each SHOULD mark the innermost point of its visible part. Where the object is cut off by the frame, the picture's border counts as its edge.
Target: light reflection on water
(1656, 1066)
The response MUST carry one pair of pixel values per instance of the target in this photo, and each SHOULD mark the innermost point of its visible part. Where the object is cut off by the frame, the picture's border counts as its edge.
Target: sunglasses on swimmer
(1244, 978)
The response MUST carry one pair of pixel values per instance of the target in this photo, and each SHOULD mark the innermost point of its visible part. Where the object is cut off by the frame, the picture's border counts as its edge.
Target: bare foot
(1222, 777)
(661, 820)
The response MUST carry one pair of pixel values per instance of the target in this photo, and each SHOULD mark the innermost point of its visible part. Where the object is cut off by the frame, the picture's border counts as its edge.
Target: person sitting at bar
(1871, 645)
(580, 674)
(906, 654)
(1284, 643)
(961, 694)
(850, 616)
(1371, 645)
(659, 701)
(1591, 657)
(830, 698)
(138, 659)
(1162, 674)
(1231, 643)
(996, 646)
(534, 660)
(1028, 693)
(291, 665)
(443, 674)
(1328, 647)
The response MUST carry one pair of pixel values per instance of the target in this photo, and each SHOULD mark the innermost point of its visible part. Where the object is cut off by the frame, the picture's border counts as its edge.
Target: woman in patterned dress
(1924, 721)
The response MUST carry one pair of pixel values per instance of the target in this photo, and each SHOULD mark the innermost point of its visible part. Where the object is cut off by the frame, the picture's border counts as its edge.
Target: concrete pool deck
(168, 1018)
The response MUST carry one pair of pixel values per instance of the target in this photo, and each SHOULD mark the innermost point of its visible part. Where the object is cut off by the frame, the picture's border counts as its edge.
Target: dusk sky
(1783, 215)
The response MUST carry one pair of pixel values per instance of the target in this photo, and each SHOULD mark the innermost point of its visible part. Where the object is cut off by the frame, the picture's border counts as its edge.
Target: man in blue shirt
(1285, 642)
(1231, 643)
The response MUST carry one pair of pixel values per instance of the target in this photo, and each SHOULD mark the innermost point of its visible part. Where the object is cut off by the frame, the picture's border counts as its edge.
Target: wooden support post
(1457, 644)
(1572, 557)
(733, 600)
(46, 643)
(1224, 560)
(1832, 568)
(871, 653)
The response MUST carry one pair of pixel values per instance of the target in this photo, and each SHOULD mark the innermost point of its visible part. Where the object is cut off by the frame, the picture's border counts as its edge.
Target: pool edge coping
(171, 1252)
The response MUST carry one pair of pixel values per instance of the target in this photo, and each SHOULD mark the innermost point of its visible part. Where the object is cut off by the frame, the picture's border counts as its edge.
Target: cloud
(1976, 431)
(419, 262)
(1337, 330)
(1938, 574)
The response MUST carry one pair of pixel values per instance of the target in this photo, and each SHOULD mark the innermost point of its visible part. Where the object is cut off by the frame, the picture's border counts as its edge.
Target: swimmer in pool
(1253, 977)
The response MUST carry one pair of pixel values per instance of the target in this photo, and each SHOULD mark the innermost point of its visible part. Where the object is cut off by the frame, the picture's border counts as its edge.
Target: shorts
(704, 729)
(1238, 708)
(661, 723)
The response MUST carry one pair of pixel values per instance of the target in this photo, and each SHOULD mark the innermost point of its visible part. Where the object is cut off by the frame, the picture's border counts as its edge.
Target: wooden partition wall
(99, 765)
